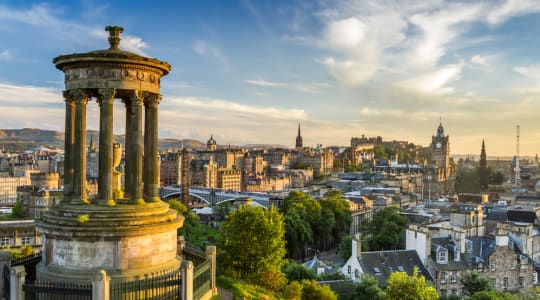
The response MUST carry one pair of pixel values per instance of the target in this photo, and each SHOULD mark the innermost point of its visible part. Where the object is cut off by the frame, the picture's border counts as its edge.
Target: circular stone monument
(131, 236)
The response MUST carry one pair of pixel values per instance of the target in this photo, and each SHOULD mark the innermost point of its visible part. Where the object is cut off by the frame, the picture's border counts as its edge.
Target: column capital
(79, 95)
(152, 99)
(68, 96)
(137, 97)
(106, 96)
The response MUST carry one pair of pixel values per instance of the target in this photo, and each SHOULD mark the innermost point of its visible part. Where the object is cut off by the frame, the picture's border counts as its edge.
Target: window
(443, 277)
(513, 265)
(454, 291)
(492, 266)
(453, 277)
(493, 282)
(468, 246)
(480, 268)
(441, 257)
(505, 283)
(5, 241)
(443, 292)
(535, 277)
(521, 281)
(26, 240)
(349, 269)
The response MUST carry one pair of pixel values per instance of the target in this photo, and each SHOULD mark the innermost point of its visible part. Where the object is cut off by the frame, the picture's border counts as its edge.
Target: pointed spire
(299, 143)
(299, 129)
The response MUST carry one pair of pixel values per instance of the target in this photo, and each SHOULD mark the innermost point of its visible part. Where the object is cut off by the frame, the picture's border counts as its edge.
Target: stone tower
(483, 169)
(127, 234)
(211, 145)
(440, 148)
(299, 143)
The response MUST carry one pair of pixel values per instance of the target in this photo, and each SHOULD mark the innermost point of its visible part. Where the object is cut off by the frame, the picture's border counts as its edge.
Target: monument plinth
(130, 233)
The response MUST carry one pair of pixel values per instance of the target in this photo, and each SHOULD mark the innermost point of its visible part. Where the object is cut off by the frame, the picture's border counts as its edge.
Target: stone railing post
(100, 286)
(180, 244)
(17, 277)
(5, 257)
(211, 252)
(187, 280)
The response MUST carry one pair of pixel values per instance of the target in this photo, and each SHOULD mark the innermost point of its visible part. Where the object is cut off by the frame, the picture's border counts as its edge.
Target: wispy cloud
(504, 10)
(300, 87)
(5, 55)
(480, 60)
(206, 49)
(434, 82)
(225, 106)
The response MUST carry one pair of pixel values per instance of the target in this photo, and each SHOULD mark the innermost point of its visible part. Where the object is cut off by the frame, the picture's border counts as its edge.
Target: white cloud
(208, 50)
(511, 8)
(532, 73)
(481, 60)
(347, 34)
(440, 28)
(127, 42)
(434, 82)
(248, 111)
(300, 87)
(5, 55)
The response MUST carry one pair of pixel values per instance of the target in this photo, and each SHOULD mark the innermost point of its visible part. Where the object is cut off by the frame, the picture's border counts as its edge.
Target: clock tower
(440, 148)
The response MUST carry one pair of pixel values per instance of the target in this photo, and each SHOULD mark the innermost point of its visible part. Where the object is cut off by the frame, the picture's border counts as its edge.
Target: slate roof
(382, 263)
(522, 213)
(452, 265)
(483, 247)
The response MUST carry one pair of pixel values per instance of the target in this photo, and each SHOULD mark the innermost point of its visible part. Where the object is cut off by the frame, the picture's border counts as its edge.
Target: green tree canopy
(252, 245)
(385, 230)
(17, 210)
(312, 291)
(368, 289)
(467, 181)
(191, 229)
(473, 283)
(297, 272)
(492, 295)
(345, 248)
(404, 287)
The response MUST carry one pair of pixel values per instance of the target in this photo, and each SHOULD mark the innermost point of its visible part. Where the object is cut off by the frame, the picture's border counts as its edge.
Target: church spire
(483, 169)
(299, 143)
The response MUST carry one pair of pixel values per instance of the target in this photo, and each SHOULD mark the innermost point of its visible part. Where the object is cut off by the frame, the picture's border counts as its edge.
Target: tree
(17, 210)
(496, 177)
(368, 289)
(404, 287)
(385, 230)
(298, 232)
(492, 295)
(191, 229)
(473, 282)
(312, 291)
(298, 272)
(467, 181)
(222, 209)
(345, 248)
(252, 245)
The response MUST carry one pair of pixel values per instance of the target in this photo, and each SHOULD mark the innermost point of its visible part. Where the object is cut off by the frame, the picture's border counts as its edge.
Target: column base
(109, 202)
(136, 201)
(152, 199)
(77, 200)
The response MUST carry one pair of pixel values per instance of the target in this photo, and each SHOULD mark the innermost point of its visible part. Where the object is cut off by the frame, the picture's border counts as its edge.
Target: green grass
(242, 290)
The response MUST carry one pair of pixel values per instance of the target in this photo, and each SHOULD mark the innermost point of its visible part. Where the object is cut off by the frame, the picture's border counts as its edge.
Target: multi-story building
(229, 179)
(266, 183)
(203, 173)
(8, 188)
(15, 233)
(170, 168)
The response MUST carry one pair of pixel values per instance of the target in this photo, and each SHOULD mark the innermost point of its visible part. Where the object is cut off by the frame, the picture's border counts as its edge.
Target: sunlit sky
(250, 71)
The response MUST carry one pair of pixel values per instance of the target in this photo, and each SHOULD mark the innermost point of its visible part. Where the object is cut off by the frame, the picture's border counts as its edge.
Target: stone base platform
(127, 241)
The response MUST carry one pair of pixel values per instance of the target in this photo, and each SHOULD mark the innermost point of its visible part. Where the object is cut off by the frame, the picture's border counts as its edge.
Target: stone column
(105, 100)
(136, 151)
(211, 252)
(151, 154)
(16, 279)
(187, 280)
(100, 286)
(68, 146)
(146, 157)
(79, 148)
(128, 182)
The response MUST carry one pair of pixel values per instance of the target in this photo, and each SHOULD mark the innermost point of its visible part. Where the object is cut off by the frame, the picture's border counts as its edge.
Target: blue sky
(250, 71)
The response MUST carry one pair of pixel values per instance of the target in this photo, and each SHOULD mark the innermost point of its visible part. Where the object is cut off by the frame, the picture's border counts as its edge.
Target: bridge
(214, 196)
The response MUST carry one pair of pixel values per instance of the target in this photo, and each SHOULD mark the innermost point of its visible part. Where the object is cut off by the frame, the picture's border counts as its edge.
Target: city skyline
(249, 72)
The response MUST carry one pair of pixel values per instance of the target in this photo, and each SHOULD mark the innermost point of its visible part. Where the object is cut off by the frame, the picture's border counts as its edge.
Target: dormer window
(468, 246)
(442, 256)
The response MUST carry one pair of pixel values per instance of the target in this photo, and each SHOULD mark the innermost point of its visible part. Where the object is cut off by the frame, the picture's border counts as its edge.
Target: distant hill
(29, 138)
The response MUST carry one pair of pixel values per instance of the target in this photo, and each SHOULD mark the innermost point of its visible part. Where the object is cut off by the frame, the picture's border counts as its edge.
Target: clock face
(438, 145)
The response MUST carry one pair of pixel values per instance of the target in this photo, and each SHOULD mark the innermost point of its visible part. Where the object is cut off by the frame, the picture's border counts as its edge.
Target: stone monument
(128, 234)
